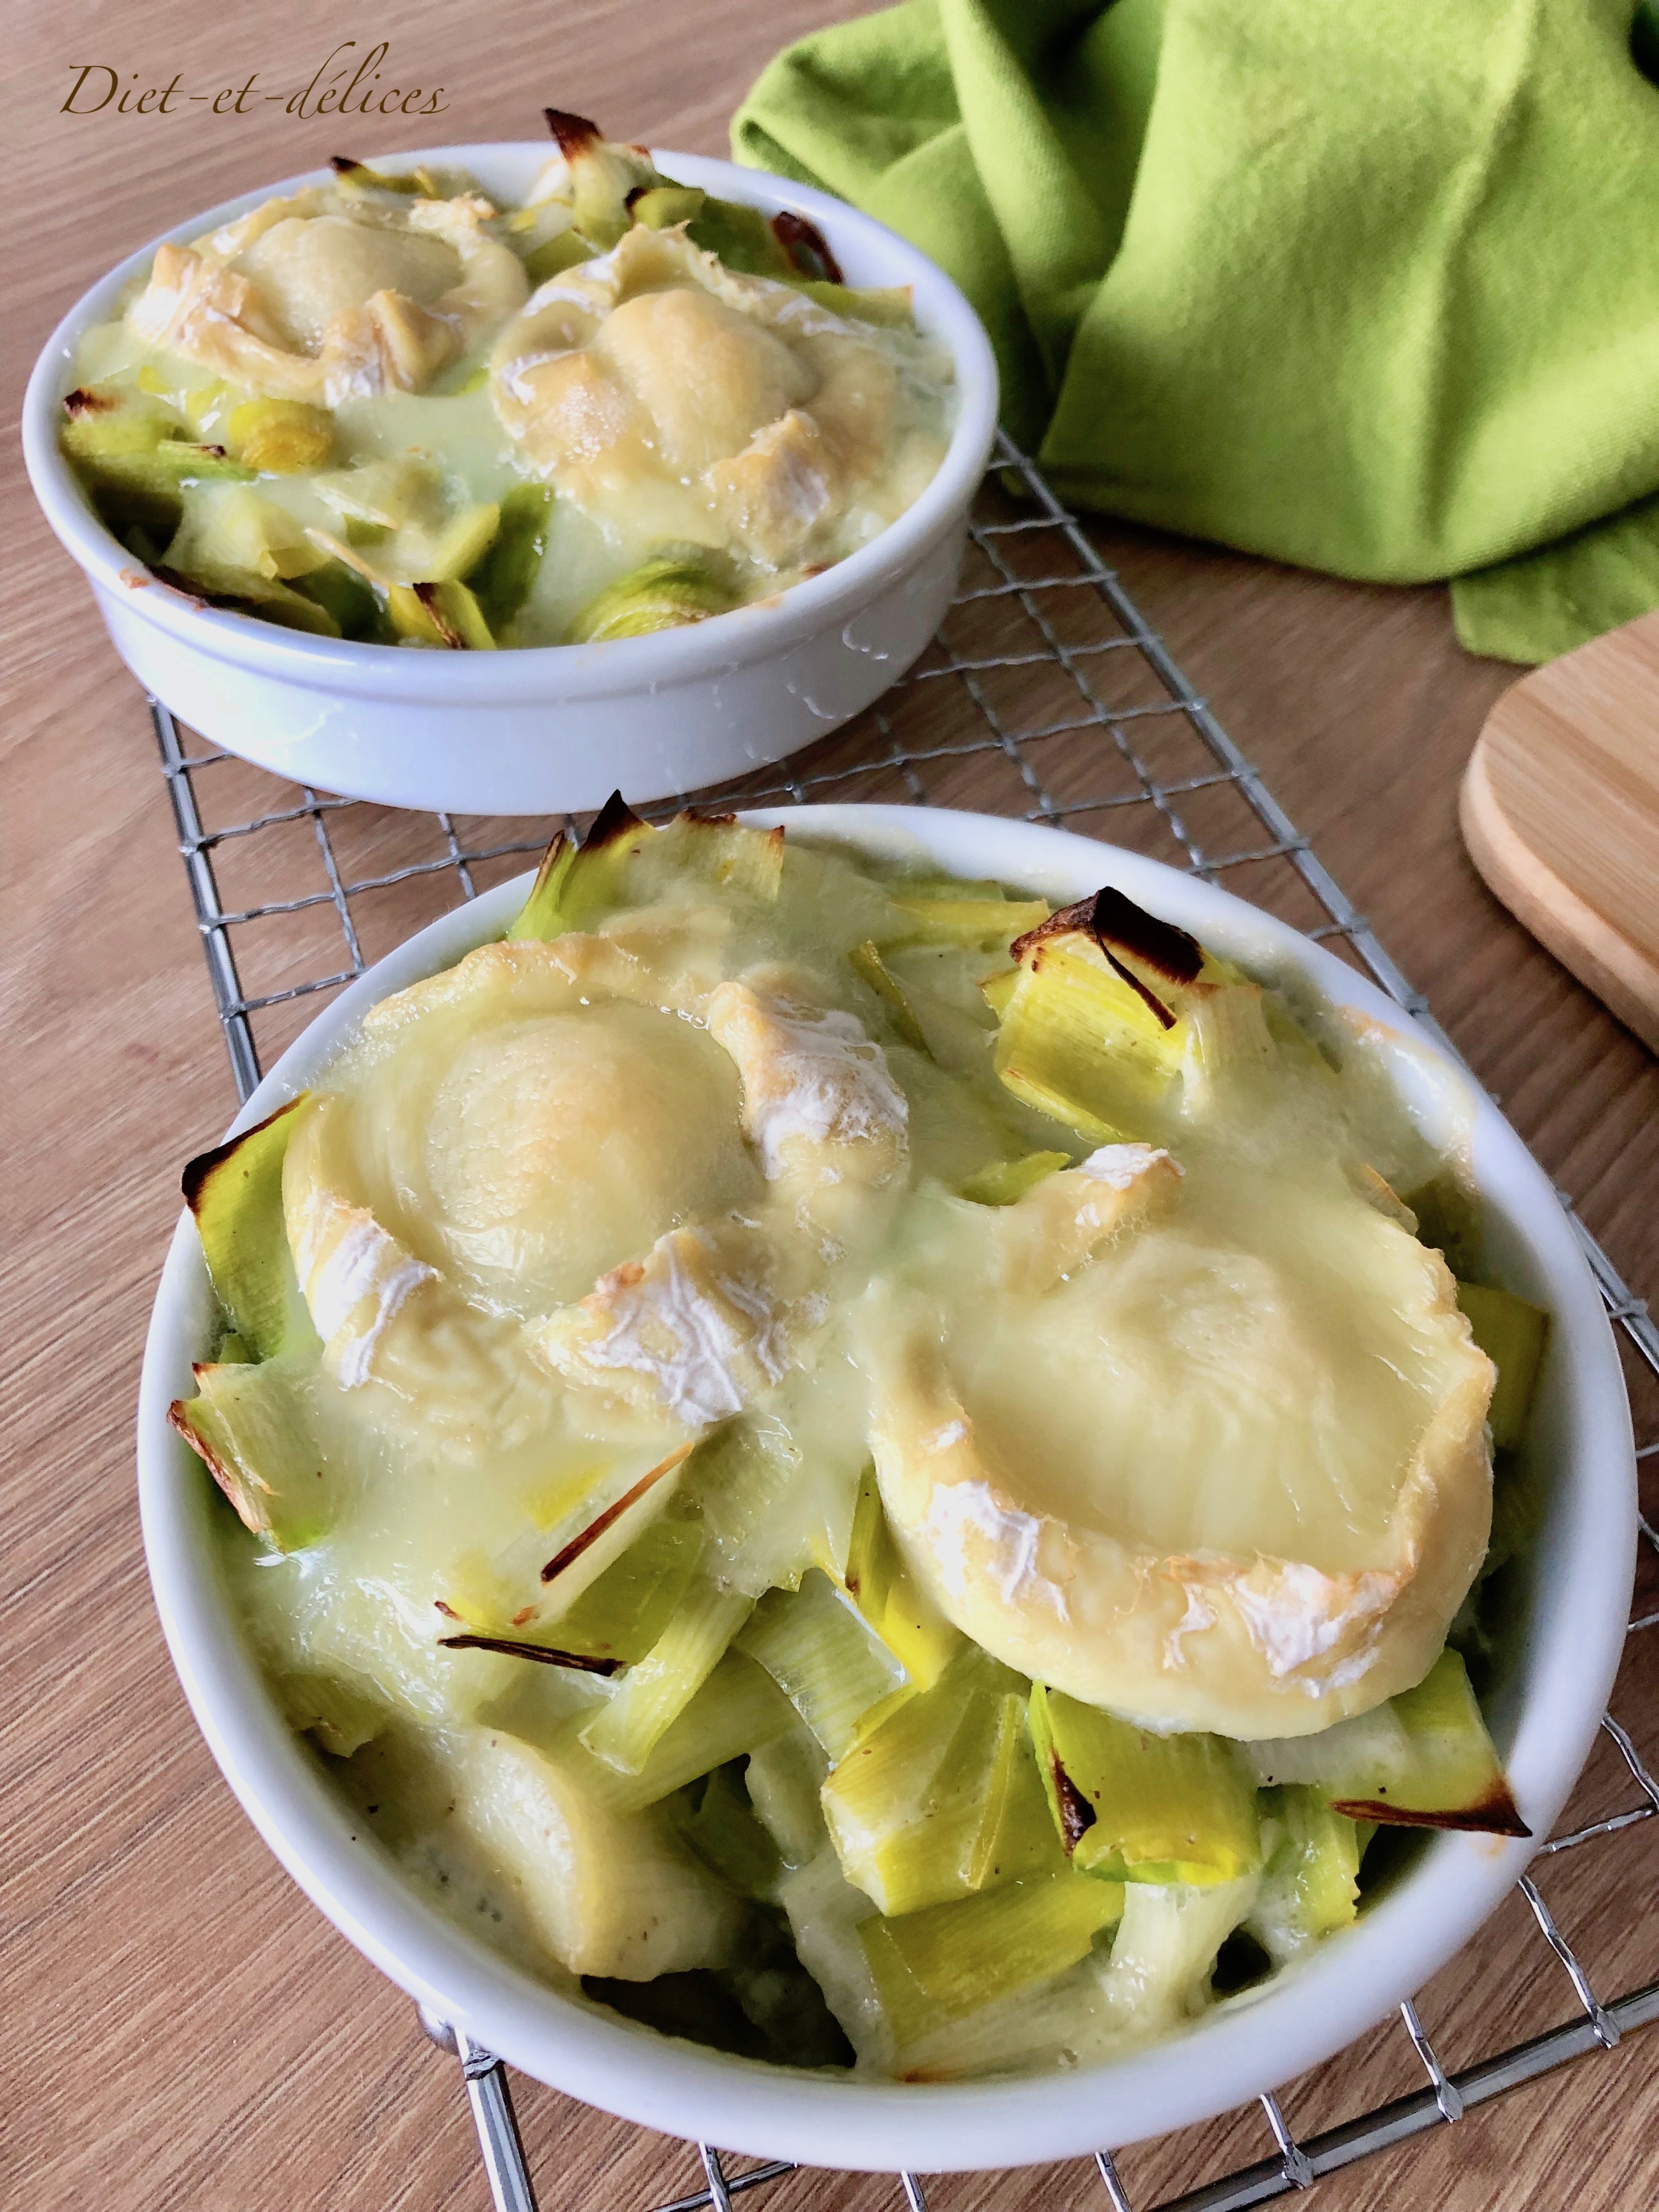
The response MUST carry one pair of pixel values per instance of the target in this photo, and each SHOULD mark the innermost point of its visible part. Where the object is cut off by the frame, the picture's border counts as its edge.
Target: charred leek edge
(1423, 1760)
(948, 1960)
(1310, 1884)
(878, 1580)
(626, 1730)
(442, 614)
(1081, 1046)
(943, 1797)
(823, 1657)
(869, 968)
(973, 922)
(235, 1193)
(1513, 1334)
(576, 885)
(507, 574)
(1005, 1181)
(1140, 1808)
(665, 593)
(249, 1424)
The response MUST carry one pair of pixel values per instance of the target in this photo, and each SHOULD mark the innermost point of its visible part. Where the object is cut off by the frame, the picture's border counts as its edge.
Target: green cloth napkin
(1370, 288)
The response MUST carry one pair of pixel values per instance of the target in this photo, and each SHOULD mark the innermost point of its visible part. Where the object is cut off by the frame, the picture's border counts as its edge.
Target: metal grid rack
(1047, 694)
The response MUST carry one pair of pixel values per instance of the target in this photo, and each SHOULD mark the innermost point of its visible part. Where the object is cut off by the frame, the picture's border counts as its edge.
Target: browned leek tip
(541, 1652)
(574, 134)
(796, 235)
(427, 596)
(81, 402)
(579, 1543)
(1076, 1814)
(614, 820)
(1496, 1814)
(197, 1171)
(343, 164)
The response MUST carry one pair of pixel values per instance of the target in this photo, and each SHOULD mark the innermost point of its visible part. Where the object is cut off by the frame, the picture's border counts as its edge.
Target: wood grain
(1560, 812)
(185, 2034)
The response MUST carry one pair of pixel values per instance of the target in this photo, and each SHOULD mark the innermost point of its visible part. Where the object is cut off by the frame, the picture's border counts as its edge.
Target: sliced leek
(1140, 1808)
(947, 1961)
(1080, 1045)
(823, 1657)
(1310, 1883)
(251, 1425)
(1513, 1334)
(627, 1729)
(235, 1193)
(1423, 1760)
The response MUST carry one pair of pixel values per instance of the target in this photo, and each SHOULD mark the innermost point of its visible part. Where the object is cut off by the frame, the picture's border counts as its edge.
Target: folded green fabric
(1370, 288)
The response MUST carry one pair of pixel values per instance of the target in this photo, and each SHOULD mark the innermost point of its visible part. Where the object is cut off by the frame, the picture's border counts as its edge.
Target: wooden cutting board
(1560, 813)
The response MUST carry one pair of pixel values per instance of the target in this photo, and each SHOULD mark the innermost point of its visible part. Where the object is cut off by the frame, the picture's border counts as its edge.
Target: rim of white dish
(1562, 1673)
(538, 673)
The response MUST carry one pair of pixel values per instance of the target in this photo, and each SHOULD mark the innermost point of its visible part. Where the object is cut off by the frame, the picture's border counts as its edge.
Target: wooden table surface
(185, 2034)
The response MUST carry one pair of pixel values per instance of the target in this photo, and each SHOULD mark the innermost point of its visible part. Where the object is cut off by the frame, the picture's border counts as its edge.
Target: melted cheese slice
(1225, 1468)
(325, 297)
(677, 400)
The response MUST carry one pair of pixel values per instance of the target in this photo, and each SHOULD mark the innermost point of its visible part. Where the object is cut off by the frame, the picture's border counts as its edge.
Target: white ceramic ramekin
(551, 728)
(1544, 1719)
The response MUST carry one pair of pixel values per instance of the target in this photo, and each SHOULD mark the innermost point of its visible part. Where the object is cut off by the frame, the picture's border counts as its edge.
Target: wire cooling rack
(1046, 695)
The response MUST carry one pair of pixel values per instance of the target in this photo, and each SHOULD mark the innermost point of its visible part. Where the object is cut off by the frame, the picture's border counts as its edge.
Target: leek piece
(463, 543)
(950, 1959)
(942, 1797)
(878, 1580)
(342, 1719)
(235, 1193)
(251, 1425)
(349, 602)
(245, 591)
(977, 923)
(504, 577)
(824, 1912)
(625, 1611)
(869, 966)
(1140, 1808)
(606, 1533)
(1163, 1954)
(661, 206)
(1082, 1046)
(767, 1515)
(444, 614)
(726, 1833)
(230, 527)
(1310, 1884)
(739, 1710)
(628, 1727)
(621, 857)
(1422, 1760)
(784, 1779)
(742, 237)
(555, 254)
(1005, 1181)
(997, 990)
(887, 306)
(280, 437)
(1513, 1334)
(820, 1653)
(665, 593)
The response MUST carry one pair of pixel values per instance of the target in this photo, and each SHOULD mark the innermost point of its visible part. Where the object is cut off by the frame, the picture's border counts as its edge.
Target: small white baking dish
(547, 729)
(1544, 1720)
